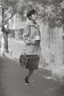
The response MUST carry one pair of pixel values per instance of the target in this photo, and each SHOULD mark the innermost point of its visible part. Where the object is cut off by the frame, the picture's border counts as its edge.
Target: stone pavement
(12, 81)
(16, 47)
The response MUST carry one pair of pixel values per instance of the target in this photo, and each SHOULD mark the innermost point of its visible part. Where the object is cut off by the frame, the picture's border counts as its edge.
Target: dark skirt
(30, 62)
(33, 62)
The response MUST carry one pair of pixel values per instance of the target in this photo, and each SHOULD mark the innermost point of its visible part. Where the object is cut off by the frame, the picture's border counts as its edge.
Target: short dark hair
(31, 12)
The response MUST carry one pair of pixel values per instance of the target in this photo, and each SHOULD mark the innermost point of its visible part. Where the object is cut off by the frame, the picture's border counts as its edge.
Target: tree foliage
(50, 11)
(8, 10)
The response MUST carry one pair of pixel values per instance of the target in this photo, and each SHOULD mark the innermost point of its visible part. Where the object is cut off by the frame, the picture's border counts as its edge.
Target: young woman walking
(32, 39)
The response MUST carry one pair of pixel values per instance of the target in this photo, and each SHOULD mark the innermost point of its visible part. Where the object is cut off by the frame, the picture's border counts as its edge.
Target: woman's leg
(28, 75)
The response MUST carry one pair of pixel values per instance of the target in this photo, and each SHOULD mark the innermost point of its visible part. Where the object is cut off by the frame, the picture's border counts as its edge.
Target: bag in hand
(33, 62)
(23, 60)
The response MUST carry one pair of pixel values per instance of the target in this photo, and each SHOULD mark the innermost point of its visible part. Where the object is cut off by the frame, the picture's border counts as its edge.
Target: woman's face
(34, 16)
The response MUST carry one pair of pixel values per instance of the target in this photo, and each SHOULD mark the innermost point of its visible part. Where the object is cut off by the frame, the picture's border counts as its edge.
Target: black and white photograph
(31, 47)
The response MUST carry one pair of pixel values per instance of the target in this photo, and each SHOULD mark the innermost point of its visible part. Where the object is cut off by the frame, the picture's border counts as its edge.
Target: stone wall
(51, 45)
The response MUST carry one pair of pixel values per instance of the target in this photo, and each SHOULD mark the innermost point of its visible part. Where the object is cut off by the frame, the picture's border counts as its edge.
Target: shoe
(26, 80)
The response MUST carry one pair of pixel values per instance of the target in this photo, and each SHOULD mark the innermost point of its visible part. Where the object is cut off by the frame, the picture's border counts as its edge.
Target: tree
(8, 11)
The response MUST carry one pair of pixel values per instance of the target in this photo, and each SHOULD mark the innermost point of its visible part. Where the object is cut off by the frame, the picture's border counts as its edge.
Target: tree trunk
(6, 42)
(4, 33)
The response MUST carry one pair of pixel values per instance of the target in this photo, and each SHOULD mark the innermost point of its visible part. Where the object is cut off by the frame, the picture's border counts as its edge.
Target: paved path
(12, 81)
(16, 47)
